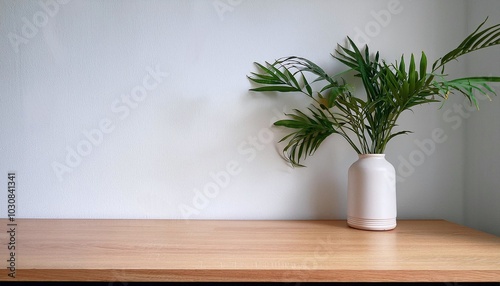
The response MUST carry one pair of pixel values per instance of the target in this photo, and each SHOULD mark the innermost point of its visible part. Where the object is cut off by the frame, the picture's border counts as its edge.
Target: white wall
(482, 160)
(77, 70)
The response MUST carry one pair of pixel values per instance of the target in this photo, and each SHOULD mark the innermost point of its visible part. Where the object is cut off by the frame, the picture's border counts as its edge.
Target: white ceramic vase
(371, 193)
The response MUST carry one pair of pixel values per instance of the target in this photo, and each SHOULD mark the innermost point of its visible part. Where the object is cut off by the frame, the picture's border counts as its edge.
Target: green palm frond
(309, 132)
(479, 39)
(367, 124)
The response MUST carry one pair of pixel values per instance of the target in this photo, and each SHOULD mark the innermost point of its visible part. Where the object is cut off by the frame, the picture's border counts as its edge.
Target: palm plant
(366, 123)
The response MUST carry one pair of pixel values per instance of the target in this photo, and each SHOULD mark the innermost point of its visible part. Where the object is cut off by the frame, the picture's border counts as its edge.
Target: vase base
(371, 224)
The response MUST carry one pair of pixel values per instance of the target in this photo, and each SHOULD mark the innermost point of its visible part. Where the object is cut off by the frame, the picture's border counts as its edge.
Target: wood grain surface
(225, 250)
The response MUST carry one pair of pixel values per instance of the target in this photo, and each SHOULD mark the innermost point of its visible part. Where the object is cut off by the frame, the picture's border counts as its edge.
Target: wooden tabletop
(208, 250)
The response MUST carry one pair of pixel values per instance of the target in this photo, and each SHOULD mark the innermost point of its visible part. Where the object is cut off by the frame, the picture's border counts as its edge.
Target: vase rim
(371, 155)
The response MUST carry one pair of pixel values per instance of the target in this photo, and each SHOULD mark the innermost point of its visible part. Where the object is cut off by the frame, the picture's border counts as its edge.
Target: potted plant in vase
(367, 122)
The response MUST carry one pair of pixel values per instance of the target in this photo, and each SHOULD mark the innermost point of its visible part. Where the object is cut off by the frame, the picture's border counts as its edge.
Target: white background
(74, 71)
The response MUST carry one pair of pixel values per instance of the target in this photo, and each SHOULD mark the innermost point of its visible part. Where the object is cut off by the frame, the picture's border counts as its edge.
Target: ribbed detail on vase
(371, 224)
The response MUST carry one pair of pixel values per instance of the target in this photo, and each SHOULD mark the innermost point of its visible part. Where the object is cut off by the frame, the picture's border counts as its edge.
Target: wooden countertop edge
(240, 275)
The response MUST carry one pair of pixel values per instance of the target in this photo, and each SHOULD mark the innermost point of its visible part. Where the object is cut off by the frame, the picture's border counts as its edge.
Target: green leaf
(277, 72)
(291, 78)
(412, 64)
(271, 74)
(264, 81)
(477, 79)
(264, 76)
(307, 85)
(275, 88)
(475, 41)
(289, 123)
(402, 67)
(423, 66)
